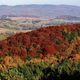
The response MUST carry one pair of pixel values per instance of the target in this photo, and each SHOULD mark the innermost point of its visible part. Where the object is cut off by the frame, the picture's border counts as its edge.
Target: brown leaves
(10, 62)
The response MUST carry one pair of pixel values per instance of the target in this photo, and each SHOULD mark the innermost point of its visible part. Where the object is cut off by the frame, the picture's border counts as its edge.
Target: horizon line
(40, 4)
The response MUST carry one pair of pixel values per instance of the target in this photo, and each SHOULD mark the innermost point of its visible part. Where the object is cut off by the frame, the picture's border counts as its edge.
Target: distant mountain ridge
(68, 17)
(45, 11)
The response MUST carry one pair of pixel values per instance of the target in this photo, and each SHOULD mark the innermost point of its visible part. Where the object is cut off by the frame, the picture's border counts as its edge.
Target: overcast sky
(21, 2)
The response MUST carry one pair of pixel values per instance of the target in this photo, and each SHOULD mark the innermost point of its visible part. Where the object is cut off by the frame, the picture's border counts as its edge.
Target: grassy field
(2, 36)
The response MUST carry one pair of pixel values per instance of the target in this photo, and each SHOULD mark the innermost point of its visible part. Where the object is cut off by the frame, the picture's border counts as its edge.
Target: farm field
(12, 25)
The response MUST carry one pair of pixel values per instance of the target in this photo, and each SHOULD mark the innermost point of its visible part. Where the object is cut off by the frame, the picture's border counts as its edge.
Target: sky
(21, 2)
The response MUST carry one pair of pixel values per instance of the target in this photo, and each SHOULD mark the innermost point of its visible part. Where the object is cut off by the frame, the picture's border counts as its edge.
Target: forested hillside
(43, 54)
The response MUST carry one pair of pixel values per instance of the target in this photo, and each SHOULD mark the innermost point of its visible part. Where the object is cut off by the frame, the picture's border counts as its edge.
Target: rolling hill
(44, 54)
(49, 40)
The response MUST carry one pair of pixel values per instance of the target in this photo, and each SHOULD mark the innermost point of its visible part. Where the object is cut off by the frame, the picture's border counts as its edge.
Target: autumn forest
(48, 53)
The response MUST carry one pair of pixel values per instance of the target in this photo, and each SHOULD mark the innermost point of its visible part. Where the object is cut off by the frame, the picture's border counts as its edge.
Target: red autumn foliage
(1, 53)
(51, 49)
(32, 53)
(49, 39)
